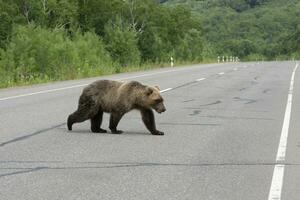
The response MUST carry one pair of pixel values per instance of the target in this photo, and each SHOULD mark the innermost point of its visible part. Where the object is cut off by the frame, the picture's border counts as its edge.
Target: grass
(38, 80)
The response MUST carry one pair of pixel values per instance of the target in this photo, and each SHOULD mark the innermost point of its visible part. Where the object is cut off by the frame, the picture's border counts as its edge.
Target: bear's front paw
(157, 132)
(116, 131)
(99, 130)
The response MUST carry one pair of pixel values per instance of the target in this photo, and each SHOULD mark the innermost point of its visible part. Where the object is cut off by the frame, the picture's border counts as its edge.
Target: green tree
(5, 29)
(121, 42)
(190, 46)
(94, 14)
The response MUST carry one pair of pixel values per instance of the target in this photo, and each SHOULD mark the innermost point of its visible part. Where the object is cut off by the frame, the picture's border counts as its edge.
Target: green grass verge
(38, 80)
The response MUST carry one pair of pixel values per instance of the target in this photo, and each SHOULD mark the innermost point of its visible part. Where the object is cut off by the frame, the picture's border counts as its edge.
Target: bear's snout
(163, 110)
(160, 109)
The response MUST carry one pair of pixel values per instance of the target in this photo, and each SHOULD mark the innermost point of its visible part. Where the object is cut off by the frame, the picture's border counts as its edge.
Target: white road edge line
(41, 92)
(278, 174)
(200, 79)
(82, 85)
(221, 73)
(165, 90)
(286, 122)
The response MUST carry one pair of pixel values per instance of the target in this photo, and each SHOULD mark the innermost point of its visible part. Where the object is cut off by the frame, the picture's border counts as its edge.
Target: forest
(49, 40)
(250, 29)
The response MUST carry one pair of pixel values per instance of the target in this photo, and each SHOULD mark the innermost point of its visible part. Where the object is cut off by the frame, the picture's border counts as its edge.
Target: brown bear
(117, 98)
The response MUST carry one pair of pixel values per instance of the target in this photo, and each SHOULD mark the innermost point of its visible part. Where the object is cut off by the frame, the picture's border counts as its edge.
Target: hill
(250, 29)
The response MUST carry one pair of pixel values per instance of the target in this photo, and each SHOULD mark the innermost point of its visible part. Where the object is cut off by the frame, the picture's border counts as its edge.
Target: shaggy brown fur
(117, 98)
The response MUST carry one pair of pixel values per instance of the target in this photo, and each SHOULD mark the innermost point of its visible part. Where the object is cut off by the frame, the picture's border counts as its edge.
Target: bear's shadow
(82, 131)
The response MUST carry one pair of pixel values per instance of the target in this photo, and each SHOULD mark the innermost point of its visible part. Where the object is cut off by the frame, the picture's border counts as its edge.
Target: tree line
(45, 40)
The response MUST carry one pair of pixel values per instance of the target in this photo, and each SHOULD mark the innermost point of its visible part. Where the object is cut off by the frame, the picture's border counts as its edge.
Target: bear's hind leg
(149, 121)
(76, 117)
(113, 123)
(96, 123)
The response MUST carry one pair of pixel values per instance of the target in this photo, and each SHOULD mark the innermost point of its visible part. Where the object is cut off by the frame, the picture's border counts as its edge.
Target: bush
(255, 57)
(36, 54)
(5, 29)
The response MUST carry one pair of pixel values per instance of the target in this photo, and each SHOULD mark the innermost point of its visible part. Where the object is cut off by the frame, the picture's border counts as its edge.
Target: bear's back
(114, 95)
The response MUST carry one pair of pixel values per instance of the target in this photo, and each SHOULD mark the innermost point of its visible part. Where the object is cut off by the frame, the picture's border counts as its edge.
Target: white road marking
(278, 174)
(221, 73)
(165, 90)
(235, 69)
(82, 85)
(286, 122)
(275, 191)
(200, 79)
(42, 92)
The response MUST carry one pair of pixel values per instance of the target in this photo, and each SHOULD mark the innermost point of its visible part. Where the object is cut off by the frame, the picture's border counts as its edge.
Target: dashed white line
(221, 73)
(278, 174)
(235, 69)
(200, 79)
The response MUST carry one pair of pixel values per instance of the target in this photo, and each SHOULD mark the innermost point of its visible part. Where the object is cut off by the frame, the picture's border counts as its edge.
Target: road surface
(231, 132)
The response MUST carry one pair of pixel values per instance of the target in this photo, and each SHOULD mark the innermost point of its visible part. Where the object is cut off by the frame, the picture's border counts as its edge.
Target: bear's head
(153, 99)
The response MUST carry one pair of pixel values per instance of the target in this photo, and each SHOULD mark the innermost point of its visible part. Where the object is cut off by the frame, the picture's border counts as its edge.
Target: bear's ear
(157, 87)
(149, 90)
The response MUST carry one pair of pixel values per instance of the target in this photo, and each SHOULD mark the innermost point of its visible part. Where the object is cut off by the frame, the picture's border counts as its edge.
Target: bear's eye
(158, 100)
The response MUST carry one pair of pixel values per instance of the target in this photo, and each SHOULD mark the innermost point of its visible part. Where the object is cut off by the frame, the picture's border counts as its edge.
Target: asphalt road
(223, 126)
